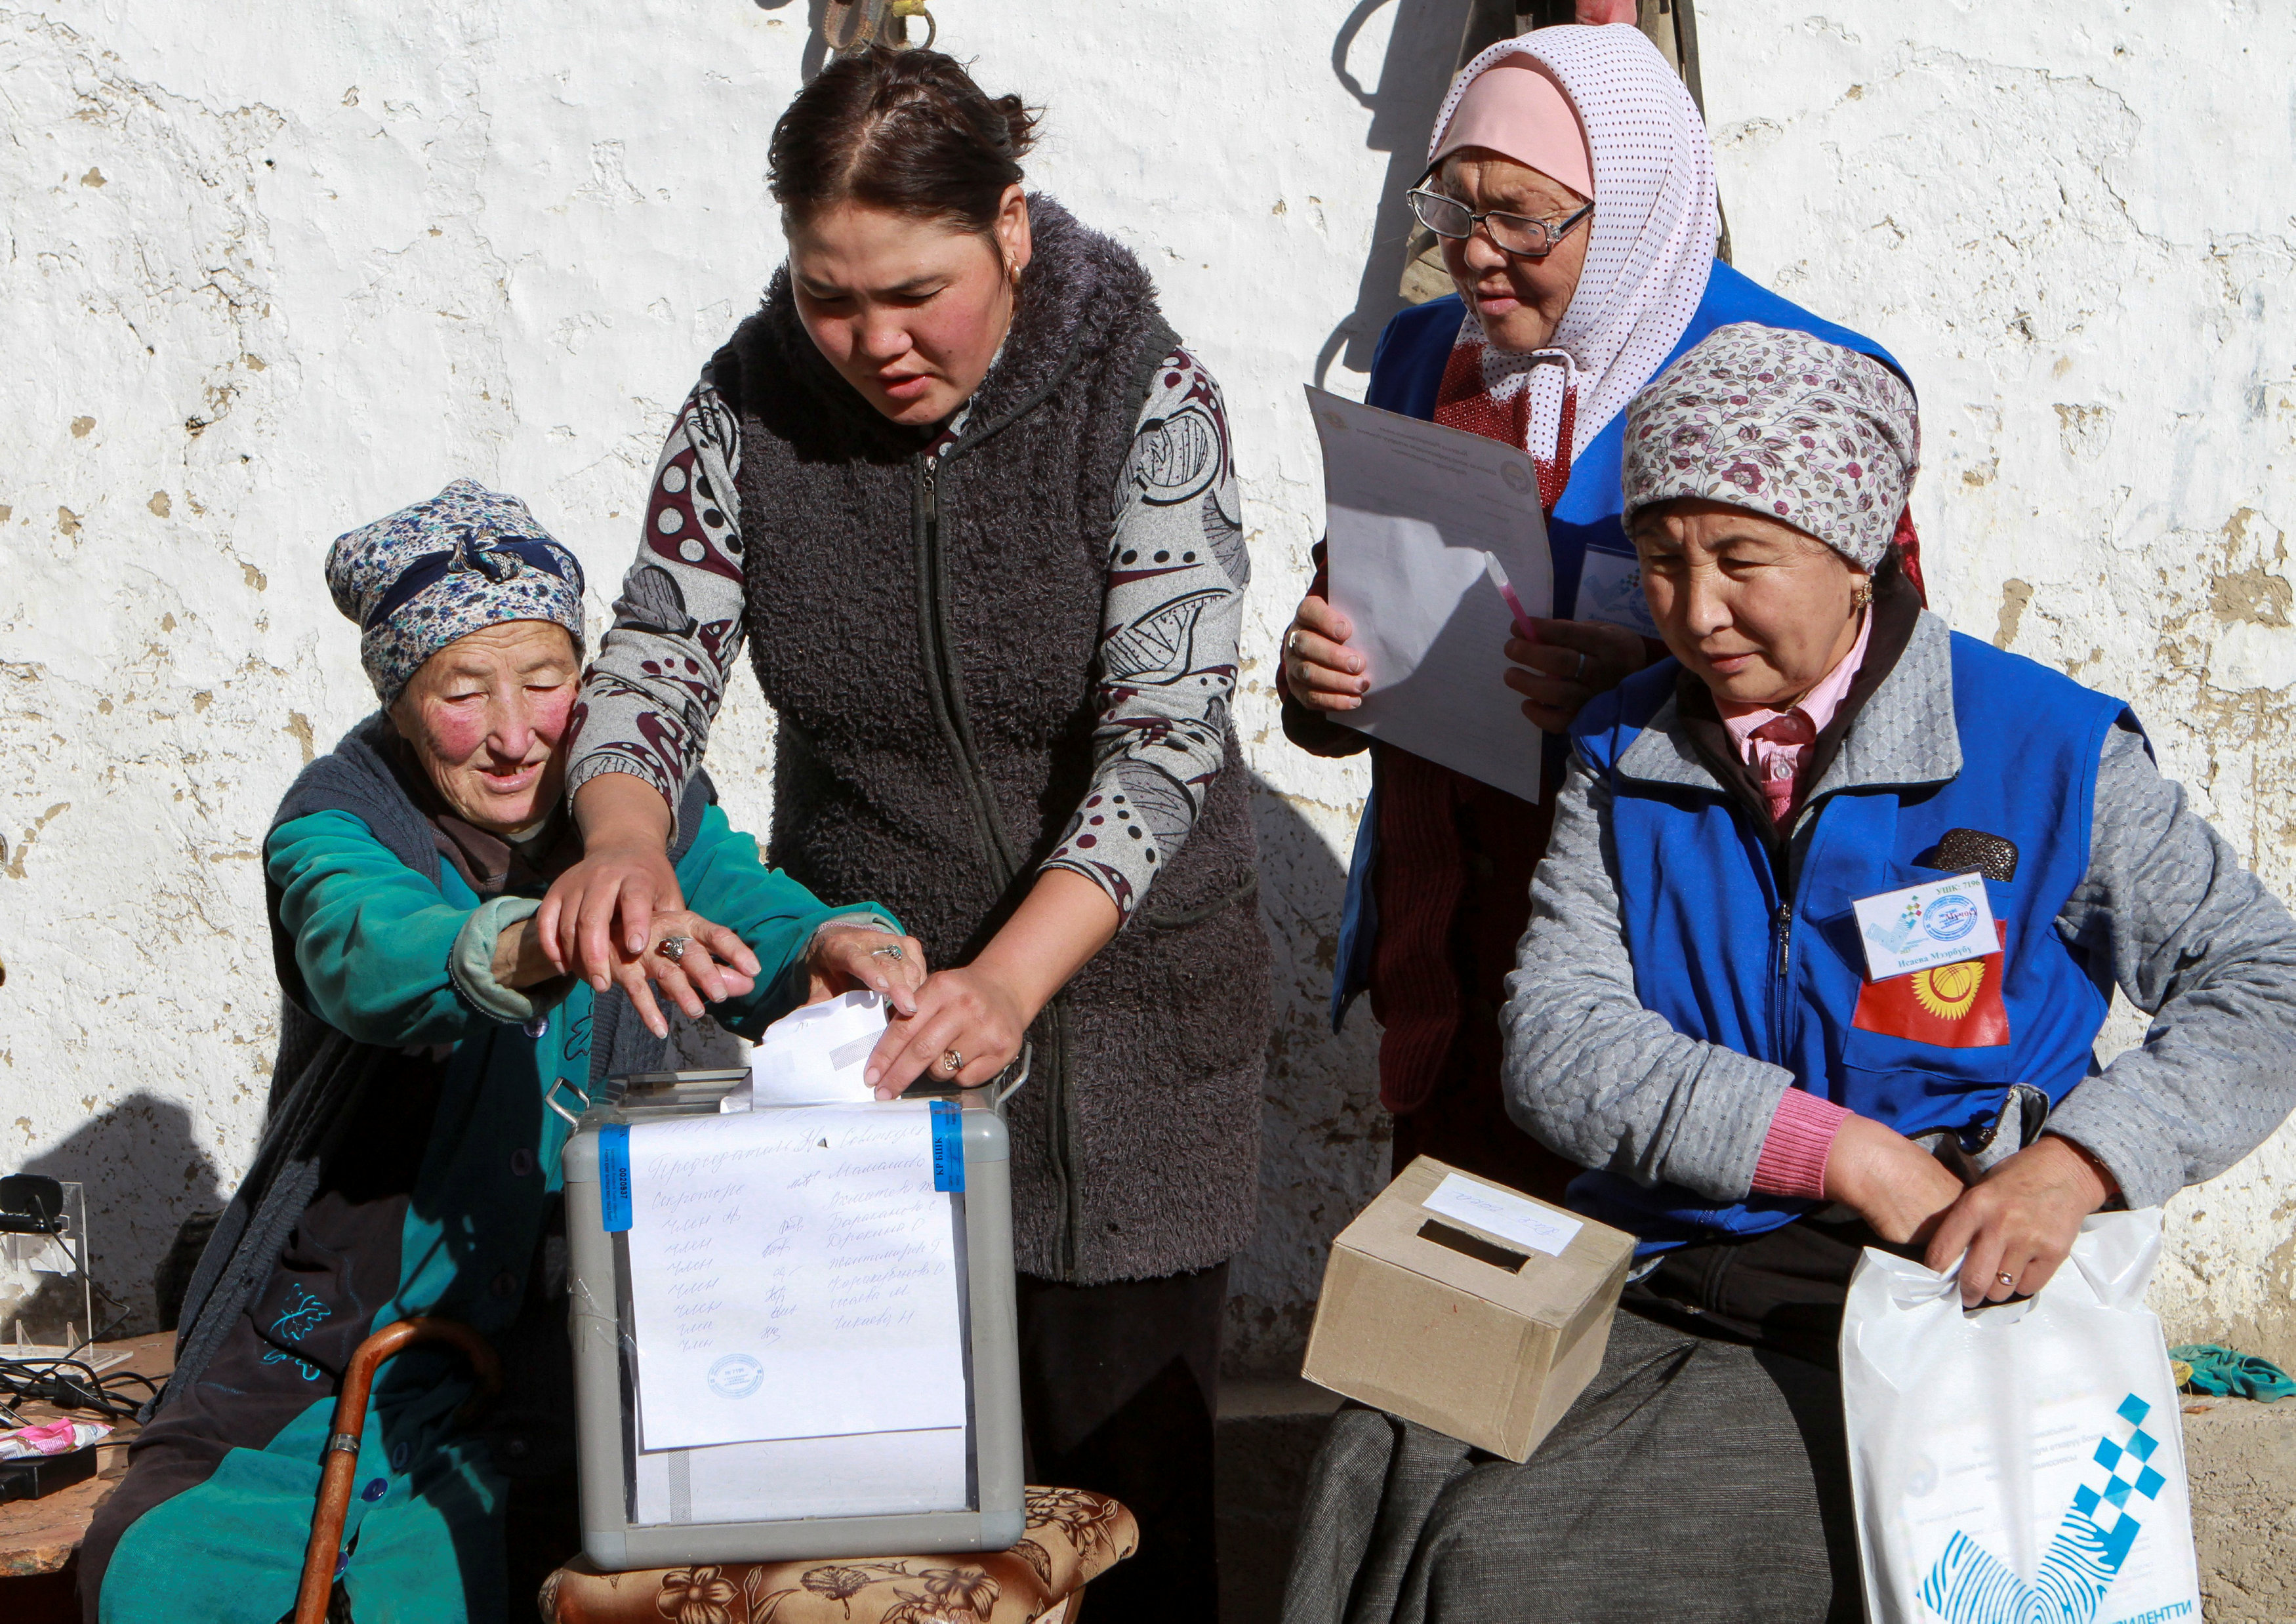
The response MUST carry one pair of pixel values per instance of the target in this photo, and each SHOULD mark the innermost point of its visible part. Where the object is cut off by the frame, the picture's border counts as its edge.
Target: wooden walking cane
(335, 1478)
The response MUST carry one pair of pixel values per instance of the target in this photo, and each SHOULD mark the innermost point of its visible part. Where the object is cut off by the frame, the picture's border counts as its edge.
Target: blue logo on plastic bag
(1970, 1584)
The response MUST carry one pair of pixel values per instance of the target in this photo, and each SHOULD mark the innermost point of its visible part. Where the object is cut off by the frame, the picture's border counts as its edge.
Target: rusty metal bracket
(848, 27)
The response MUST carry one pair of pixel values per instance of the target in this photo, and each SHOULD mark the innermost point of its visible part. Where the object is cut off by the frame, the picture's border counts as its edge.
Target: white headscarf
(1651, 243)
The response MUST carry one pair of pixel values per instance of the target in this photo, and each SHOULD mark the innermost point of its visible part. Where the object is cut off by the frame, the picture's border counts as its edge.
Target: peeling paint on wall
(266, 287)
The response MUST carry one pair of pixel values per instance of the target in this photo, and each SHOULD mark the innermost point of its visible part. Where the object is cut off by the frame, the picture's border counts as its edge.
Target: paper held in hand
(1411, 510)
(793, 1274)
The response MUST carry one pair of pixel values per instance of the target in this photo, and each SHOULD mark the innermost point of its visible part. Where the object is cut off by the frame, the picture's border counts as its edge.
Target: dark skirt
(1702, 1476)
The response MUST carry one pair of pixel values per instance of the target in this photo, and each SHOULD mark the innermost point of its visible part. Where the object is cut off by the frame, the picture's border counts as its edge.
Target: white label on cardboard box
(1504, 1213)
(1939, 921)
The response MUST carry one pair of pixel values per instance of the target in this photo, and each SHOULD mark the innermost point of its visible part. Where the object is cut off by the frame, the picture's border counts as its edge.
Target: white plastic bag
(2023, 1463)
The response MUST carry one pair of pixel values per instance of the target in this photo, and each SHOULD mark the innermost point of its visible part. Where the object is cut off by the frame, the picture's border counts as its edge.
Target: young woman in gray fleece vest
(972, 508)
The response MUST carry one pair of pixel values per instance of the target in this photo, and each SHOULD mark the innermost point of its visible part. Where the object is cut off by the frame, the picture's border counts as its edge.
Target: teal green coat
(234, 1463)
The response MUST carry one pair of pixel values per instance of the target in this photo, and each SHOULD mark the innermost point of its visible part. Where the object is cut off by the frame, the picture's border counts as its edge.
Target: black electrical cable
(73, 1384)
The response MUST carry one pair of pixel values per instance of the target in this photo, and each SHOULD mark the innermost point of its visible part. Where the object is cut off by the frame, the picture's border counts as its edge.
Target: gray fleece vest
(925, 629)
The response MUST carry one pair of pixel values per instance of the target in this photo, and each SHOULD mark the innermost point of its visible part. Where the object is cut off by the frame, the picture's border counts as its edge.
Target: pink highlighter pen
(1522, 626)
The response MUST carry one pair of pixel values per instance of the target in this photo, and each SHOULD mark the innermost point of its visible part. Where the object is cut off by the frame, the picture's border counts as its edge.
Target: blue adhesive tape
(614, 1176)
(948, 1147)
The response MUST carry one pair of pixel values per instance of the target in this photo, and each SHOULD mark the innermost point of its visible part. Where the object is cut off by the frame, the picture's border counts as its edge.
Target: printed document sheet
(793, 1274)
(1410, 510)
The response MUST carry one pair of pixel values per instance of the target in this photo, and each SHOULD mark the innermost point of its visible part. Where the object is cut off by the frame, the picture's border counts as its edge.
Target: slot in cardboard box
(1482, 1334)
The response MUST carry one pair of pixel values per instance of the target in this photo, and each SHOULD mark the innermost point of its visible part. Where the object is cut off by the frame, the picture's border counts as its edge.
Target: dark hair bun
(907, 131)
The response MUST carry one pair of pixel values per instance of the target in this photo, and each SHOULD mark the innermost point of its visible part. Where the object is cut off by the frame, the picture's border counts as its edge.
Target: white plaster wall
(271, 270)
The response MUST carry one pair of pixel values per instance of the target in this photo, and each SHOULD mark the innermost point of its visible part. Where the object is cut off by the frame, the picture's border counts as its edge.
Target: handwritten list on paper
(793, 1274)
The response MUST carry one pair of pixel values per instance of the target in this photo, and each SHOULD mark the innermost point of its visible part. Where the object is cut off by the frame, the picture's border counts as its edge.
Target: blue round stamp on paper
(737, 1375)
(1950, 918)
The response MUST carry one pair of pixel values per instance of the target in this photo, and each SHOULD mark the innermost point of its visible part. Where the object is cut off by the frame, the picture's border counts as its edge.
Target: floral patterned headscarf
(1784, 425)
(466, 559)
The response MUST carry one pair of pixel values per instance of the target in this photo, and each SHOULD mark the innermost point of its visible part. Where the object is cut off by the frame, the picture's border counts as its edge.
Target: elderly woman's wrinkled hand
(2012, 1228)
(1571, 662)
(1319, 669)
(846, 958)
(690, 961)
(1898, 1187)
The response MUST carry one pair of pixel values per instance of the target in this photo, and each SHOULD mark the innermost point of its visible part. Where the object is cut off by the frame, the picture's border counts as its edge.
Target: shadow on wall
(1421, 44)
(1324, 1138)
(816, 49)
(145, 1174)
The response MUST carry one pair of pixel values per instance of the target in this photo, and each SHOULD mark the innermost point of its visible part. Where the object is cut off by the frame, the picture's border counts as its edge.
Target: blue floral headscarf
(467, 558)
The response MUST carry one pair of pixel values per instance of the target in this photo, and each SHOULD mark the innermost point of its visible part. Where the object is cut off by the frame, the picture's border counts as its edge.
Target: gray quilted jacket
(2165, 910)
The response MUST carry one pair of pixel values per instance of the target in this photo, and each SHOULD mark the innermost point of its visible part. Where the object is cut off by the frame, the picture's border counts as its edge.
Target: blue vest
(1406, 371)
(1726, 959)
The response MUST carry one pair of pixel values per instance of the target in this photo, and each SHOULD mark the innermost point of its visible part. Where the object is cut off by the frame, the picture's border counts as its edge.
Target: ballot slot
(1473, 1246)
(950, 1487)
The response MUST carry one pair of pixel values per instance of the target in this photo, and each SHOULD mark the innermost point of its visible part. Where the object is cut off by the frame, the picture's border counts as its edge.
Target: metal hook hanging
(852, 26)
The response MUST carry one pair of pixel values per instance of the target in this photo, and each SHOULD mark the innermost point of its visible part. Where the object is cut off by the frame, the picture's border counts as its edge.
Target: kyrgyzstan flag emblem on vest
(1955, 1006)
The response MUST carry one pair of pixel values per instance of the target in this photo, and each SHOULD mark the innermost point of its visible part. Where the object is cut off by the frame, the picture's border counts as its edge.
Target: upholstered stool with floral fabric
(1073, 1537)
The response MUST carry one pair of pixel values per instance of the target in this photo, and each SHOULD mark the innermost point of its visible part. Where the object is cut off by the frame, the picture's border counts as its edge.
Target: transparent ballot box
(793, 1325)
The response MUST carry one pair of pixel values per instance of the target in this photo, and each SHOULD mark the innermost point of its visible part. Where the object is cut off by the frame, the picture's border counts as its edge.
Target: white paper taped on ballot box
(810, 1350)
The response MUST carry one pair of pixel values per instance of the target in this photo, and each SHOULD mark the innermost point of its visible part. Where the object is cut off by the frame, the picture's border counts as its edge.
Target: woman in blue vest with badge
(1830, 918)
(1571, 183)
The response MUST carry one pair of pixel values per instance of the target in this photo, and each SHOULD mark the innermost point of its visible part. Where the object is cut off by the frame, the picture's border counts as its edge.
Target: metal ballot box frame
(605, 1374)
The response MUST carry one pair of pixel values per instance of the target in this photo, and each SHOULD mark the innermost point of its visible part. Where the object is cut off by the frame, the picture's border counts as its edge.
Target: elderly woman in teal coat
(431, 1065)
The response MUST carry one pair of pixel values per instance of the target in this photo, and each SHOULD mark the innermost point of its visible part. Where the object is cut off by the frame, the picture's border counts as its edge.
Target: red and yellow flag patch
(1955, 1006)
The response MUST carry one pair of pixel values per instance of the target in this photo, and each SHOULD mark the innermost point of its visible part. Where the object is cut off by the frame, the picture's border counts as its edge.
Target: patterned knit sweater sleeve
(1169, 625)
(1163, 683)
(649, 698)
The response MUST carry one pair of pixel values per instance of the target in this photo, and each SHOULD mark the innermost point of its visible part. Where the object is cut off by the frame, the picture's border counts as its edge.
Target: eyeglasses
(1510, 233)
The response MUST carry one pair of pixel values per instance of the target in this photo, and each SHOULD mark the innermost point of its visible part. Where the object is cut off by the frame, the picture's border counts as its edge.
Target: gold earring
(1861, 594)
(1013, 274)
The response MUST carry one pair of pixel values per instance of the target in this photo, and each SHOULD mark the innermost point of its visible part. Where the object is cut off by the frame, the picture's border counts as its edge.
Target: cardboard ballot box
(793, 1326)
(1468, 1307)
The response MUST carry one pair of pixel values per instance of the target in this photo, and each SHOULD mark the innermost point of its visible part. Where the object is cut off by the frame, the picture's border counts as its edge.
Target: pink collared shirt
(1774, 744)
(1776, 759)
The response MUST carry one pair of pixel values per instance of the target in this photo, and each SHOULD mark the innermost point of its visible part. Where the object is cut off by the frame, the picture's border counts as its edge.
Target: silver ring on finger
(951, 1063)
(1292, 643)
(2007, 1280)
(893, 952)
(1580, 674)
(673, 947)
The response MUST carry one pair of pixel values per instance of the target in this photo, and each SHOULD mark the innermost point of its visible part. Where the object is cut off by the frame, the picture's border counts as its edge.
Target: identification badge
(1611, 590)
(1939, 921)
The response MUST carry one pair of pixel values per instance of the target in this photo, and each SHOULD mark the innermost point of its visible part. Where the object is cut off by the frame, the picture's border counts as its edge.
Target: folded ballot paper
(817, 1055)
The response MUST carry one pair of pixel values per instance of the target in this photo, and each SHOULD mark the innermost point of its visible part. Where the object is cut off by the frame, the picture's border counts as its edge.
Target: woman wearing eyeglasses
(1571, 183)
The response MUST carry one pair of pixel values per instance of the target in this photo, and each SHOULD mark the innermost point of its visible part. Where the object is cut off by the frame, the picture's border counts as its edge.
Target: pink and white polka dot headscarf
(1651, 243)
